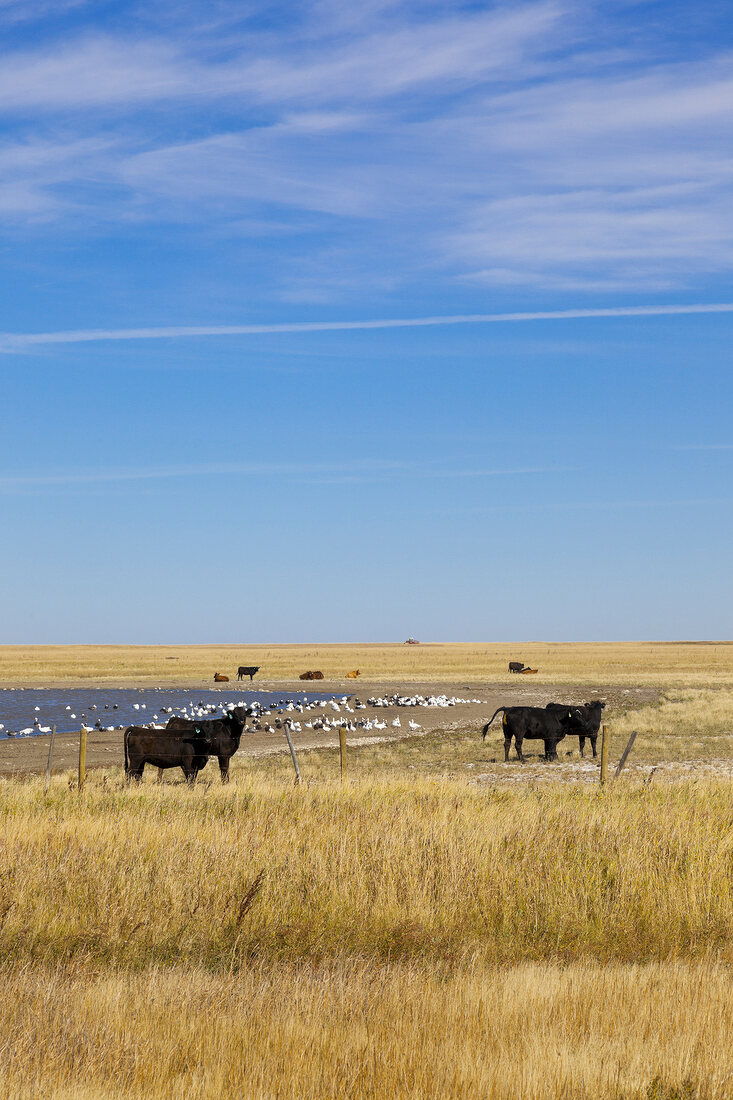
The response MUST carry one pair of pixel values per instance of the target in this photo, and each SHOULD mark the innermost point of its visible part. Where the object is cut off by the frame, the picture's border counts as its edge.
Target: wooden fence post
(286, 727)
(82, 756)
(50, 758)
(604, 756)
(342, 751)
(625, 754)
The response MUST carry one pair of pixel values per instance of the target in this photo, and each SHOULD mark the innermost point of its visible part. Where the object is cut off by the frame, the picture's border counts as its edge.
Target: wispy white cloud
(95, 72)
(373, 65)
(356, 470)
(703, 447)
(611, 180)
(281, 164)
(661, 97)
(33, 172)
(630, 235)
(501, 472)
(456, 52)
(156, 473)
(595, 505)
(323, 87)
(19, 341)
(28, 11)
(493, 147)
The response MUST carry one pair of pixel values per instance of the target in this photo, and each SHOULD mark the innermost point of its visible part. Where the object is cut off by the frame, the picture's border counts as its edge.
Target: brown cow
(352, 675)
(311, 676)
(219, 679)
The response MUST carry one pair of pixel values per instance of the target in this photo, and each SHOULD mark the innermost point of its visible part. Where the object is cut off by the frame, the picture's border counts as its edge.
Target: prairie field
(353, 1027)
(384, 937)
(441, 924)
(665, 664)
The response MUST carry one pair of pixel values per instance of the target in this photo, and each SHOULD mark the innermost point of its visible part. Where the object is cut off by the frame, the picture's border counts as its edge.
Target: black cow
(247, 670)
(221, 736)
(184, 749)
(534, 724)
(588, 717)
(517, 666)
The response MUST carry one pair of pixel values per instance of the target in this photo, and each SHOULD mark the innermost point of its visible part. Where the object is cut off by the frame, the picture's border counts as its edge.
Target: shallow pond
(29, 711)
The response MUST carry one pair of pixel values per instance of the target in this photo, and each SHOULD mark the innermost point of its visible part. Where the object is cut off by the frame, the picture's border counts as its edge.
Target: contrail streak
(17, 341)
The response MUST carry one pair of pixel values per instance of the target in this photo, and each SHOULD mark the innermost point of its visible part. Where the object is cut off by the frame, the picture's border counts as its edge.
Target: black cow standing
(532, 724)
(588, 717)
(220, 735)
(184, 749)
(247, 670)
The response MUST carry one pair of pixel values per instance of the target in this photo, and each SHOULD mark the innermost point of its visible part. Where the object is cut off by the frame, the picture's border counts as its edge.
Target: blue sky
(192, 193)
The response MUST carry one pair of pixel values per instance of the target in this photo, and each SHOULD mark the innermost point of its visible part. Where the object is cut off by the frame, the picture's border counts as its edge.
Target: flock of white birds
(342, 713)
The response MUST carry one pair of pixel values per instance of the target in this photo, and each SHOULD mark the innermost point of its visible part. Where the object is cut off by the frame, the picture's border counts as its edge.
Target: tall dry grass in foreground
(380, 939)
(355, 1028)
(393, 870)
(637, 663)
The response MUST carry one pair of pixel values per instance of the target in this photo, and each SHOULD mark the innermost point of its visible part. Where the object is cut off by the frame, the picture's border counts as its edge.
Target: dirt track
(24, 756)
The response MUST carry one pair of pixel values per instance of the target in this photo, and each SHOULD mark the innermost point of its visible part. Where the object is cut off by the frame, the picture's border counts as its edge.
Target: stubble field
(642, 663)
(423, 929)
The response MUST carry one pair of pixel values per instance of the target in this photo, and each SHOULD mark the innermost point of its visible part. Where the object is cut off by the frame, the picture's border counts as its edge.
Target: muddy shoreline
(29, 755)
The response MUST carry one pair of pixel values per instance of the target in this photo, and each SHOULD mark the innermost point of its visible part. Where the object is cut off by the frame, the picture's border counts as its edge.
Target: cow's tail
(485, 730)
(127, 755)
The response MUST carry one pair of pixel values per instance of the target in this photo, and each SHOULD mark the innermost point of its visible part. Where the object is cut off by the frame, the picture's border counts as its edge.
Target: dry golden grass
(349, 1029)
(390, 869)
(690, 724)
(641, 663)
(402, 935)
(380, 939)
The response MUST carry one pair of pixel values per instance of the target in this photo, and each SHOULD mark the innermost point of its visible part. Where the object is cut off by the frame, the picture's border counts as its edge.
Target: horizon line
(11, 341)
(383, 642)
